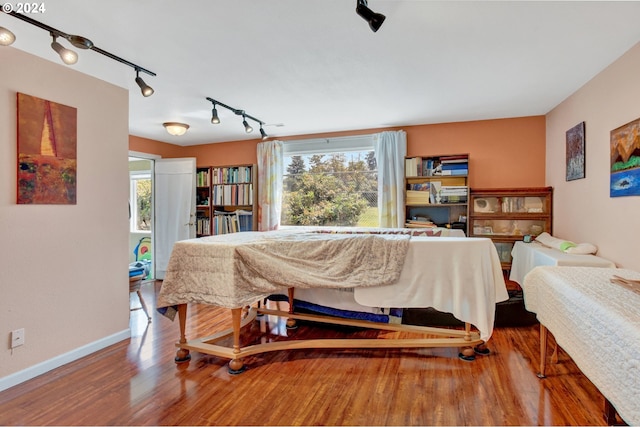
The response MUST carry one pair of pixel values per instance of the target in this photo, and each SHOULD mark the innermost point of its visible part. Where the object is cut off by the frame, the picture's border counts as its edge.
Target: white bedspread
(597, 323)
(461, 276)
(457, 275)
(527, 256)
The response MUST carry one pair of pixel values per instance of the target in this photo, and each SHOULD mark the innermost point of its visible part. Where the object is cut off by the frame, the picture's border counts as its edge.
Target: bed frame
(467, 340)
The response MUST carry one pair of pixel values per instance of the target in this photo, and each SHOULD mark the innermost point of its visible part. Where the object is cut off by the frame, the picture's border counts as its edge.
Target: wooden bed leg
(182, 355)
(543, 351)
(467, 353)
(291, 323)
(236, 365)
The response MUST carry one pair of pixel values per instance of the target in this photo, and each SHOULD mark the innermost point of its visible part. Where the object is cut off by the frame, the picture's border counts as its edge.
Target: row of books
(203, 226)
(203, 178)
(457, 165)
(233, 194)
(232, 175)
(232, 222)
(454, 194)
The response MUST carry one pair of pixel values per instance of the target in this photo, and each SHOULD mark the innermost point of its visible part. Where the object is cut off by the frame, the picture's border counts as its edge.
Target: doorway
(141, 204)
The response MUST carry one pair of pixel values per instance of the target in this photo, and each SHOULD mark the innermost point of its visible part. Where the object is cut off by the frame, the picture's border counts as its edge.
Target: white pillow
(583, 249)
(553, 242)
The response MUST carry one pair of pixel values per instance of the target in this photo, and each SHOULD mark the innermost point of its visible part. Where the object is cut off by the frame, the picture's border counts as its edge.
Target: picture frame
(575, 150)
(625, 162)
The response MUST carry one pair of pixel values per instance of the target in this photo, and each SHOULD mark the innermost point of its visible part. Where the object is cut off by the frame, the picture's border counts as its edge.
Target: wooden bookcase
(226, 199)
(437, 191)
(506, 215)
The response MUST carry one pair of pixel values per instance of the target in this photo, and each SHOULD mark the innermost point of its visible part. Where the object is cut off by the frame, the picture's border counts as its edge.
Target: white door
(175, 207)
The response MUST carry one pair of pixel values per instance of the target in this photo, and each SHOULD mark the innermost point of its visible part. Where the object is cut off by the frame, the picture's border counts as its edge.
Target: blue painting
(625, 160)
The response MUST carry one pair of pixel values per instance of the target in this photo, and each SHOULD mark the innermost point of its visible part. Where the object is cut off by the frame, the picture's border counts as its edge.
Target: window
(140, 201)
(330, 182)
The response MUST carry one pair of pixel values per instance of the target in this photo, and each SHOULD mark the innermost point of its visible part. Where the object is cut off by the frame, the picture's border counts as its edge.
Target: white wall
(64, 268)
(583, 210)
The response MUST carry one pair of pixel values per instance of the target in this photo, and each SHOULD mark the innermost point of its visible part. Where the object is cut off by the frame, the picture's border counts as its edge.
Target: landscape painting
(575, 152)
(47, 143)
(625, 160)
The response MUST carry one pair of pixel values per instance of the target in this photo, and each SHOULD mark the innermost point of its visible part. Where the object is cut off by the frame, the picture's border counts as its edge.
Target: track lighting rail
(238, 112)
(77, 41)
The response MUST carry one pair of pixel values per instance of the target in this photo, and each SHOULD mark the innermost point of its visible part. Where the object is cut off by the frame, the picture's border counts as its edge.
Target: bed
(597, 323)
(461, 276)
(527, 256)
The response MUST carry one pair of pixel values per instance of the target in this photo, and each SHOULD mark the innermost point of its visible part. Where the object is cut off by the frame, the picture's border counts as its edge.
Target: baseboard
(56, 362)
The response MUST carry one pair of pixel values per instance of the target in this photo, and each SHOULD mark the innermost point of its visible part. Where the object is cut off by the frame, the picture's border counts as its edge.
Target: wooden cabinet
(437, 191)
(226, 199)
(507, 215)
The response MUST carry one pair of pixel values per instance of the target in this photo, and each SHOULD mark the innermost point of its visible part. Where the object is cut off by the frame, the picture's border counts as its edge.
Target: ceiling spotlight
(175, 128)
(214, 116)
(146, 89)
(374, 19)
(247, 128)
(6, 37)
(263, 133)
(68, 56)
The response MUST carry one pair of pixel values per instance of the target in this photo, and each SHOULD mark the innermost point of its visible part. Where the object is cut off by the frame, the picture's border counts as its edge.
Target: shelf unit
(437, 191)
(506, 215)
(226, 199)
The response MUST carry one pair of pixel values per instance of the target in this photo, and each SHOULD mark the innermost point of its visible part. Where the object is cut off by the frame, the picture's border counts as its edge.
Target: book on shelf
(412, 166)
(417, 197)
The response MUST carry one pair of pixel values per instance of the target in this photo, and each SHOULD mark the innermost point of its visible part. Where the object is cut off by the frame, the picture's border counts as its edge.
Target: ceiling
(314, 66)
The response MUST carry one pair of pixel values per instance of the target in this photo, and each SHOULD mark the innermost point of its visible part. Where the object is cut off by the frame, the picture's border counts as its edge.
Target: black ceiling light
(374, 19)
(247, 127)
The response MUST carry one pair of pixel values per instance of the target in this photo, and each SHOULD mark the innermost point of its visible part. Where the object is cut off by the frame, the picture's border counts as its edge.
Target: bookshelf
(226, 199)
(437, 191)
(506, 215)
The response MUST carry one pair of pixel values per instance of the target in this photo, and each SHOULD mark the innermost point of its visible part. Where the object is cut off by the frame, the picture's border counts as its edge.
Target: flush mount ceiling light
(247, 128)
(68, 56)
(175, 128)
(374, 19)
(6, 37)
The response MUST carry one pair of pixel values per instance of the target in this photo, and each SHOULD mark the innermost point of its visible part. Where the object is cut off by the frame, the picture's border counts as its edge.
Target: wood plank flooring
(136, 382)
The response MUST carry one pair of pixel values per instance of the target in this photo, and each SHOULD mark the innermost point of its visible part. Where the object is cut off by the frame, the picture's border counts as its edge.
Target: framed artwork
(575, 152)
(625, 160)
(47, 140)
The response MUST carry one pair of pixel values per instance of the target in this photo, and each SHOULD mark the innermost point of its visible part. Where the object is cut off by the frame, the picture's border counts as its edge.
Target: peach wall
(583, 210)
(63, 269)
(503, 153)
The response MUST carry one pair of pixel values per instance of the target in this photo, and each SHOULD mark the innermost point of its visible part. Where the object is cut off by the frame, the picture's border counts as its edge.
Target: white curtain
(390, 150)
(270, 176)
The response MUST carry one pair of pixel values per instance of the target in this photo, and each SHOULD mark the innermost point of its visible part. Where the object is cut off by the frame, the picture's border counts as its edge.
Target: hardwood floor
(136, 382)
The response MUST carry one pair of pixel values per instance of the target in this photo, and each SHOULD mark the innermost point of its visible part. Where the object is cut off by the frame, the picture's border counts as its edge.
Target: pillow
(583, 249)
(553, 242)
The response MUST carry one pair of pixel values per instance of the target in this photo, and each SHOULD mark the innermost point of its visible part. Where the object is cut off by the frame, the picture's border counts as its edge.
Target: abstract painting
(47, 140)
(575, 152)
(625, 160)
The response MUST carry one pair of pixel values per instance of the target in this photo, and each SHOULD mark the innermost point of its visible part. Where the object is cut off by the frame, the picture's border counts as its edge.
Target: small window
(323, 187)
(140, 201)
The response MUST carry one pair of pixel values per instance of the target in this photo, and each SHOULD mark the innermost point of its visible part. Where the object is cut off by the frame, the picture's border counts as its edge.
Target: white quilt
(597, 323)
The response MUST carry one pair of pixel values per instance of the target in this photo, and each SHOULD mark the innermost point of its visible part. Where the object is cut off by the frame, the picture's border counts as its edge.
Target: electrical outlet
(17, 338)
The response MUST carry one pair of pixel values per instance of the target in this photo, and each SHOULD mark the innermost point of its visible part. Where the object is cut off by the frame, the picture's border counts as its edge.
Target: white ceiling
(310, 66)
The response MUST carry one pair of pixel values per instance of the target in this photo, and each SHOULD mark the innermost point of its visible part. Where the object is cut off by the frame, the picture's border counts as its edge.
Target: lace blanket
(597, 323)
(238, 269)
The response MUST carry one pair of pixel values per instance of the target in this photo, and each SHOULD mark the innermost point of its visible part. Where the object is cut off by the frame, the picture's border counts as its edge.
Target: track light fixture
(247, 128)
(374, 19)
(145, 88)
(68, 56)
(6, 37)
(214, 115)
(238, 112)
